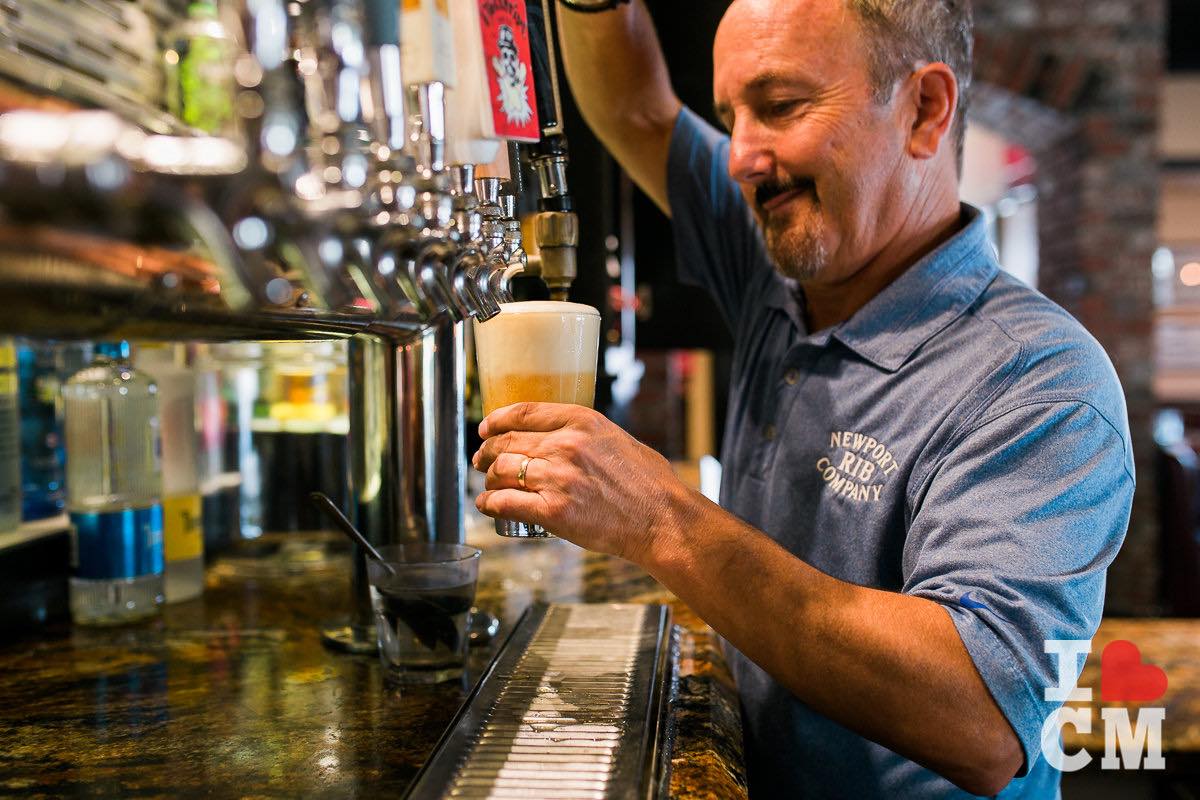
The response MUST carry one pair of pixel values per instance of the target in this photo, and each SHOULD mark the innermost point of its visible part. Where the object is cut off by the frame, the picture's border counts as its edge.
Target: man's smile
(773, 196)
(782, 199)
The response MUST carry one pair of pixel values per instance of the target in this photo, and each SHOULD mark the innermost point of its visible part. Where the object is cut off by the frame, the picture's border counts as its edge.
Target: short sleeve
(717, 242)
(1015, 529)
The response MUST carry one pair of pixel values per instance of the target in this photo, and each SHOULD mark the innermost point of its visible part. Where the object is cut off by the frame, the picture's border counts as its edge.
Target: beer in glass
(537, 351)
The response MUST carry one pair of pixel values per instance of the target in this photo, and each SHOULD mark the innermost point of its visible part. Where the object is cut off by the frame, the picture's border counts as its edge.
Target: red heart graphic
(1125, 679)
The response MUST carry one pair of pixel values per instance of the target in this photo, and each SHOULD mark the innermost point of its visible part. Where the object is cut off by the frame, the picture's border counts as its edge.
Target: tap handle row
(350, 139)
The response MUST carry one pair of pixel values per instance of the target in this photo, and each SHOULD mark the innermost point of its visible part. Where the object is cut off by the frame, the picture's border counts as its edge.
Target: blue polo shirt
(960, 438)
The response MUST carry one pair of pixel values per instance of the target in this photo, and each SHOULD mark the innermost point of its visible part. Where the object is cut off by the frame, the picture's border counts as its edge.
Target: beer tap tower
(556, 226)
(337, 214)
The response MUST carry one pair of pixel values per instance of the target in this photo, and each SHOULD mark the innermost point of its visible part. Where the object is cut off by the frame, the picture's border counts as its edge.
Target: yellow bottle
(10, 439)
(183, 530)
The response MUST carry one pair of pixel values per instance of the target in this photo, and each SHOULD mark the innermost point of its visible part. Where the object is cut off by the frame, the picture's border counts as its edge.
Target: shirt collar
(916, 306)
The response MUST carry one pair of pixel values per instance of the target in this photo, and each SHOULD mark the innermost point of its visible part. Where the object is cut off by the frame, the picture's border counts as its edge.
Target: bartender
(927, 463)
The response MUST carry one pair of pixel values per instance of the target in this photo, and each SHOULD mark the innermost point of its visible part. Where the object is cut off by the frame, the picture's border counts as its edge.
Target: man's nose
(750, 160)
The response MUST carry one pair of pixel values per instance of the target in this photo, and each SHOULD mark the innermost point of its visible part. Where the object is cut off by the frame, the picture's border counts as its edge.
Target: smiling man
(927, 463)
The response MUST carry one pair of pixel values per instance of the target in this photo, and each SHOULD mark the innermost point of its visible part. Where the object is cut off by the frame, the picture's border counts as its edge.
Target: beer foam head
(538, 336)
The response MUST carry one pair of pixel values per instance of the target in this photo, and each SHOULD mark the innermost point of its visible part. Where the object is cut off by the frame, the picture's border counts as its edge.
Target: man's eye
(781, 108)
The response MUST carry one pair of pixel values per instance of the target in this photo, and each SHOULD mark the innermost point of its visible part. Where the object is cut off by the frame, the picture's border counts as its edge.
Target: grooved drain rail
(573, 708)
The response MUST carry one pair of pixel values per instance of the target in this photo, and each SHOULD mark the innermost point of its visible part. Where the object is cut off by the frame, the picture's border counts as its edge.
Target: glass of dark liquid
(422, 609)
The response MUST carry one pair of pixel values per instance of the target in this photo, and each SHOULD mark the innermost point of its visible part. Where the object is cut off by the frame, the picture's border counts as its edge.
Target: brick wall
(1077, 83)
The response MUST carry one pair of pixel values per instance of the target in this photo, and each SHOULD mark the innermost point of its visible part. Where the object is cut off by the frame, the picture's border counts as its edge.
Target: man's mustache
(765, 192)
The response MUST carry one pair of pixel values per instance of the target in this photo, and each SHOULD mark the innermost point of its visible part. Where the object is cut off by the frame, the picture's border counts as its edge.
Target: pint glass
(537, 351)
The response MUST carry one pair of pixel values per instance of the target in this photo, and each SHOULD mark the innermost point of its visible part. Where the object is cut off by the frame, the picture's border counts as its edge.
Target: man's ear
(933, 92)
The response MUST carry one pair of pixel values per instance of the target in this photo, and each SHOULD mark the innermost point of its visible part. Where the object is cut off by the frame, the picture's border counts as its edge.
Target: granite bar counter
(233, 694)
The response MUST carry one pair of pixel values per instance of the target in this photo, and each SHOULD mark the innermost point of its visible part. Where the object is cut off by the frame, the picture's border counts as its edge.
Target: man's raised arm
(619, 79)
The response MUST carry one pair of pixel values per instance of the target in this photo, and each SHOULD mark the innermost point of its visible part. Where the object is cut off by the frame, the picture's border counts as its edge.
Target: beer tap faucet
(556, 226)
(502, 242)
(487, 192)
(390, 220)
(514, 247)
(430, 252)
(443, 264)
(470, 268)
(280, 210)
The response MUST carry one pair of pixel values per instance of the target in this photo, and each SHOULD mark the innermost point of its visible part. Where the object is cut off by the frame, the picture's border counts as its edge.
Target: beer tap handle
(334, 66)
(549, 155)
(545, 67)
(383, 102)
(428, 62)
(471, 136)
(556, 228)
(272, 101)
(516, 175)
(381, 23)
(427, 120)
(427, 42)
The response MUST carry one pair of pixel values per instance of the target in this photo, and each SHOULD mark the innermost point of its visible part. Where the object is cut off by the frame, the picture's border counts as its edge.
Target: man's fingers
(542, 417)
(528, 444)
(513, 504)
(505, 472)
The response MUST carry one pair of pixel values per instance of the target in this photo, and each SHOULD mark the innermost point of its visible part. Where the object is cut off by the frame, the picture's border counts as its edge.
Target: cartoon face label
(511, 78)
(506, 47)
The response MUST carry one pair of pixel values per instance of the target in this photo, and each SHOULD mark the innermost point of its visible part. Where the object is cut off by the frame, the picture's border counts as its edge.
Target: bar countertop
(233, 694)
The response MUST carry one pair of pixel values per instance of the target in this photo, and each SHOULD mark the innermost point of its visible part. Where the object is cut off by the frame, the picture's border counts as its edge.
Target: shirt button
(769, 432)
(791, 377)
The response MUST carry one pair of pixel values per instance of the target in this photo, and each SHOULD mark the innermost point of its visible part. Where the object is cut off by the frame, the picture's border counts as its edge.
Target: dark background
(1183, 36)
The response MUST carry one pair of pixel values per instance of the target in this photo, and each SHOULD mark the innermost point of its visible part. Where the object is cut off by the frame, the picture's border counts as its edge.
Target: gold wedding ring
(521, 473)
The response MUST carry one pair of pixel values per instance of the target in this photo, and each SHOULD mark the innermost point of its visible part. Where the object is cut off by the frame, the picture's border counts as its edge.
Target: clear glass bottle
(114, 490)
(183, 531)
(10, 439)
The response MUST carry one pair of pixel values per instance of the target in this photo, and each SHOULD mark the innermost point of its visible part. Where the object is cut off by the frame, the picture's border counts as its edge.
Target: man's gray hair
(901, 33)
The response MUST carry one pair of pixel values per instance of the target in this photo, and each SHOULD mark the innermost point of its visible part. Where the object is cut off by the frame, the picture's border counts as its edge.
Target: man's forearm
(890, 666)
(619, 80)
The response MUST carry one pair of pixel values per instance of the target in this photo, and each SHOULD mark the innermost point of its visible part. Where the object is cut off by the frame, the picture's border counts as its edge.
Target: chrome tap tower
(330, 212)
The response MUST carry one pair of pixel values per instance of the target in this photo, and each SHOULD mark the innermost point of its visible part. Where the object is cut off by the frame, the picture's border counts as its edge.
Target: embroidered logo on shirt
(858, 466)
(967, 601)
